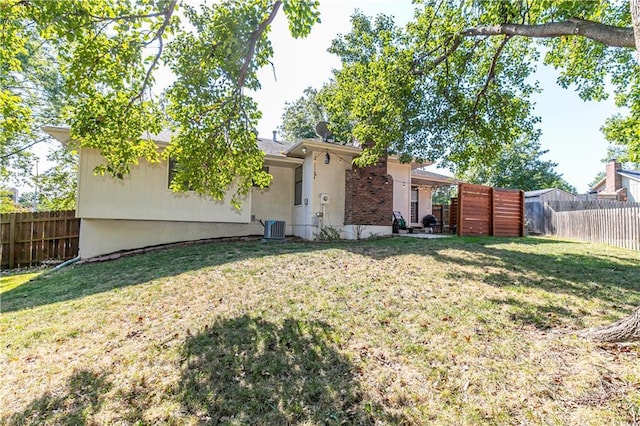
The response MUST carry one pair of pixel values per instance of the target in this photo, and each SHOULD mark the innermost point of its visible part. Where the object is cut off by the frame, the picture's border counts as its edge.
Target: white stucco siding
(320, 178)
(401, 174)
(103, 236)
(633, 189)
(425, 206)
(144, 195)
(276, 201)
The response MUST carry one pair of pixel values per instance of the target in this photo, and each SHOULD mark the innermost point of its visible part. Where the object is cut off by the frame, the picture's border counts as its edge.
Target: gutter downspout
(67, 263)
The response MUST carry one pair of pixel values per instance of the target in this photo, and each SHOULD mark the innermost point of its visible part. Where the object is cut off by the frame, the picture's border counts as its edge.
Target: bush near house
(395, 330)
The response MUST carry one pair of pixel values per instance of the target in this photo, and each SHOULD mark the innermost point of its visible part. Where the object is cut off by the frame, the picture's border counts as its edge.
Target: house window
(266, 170)
(414, 204)
(173, 169)
(297, 192)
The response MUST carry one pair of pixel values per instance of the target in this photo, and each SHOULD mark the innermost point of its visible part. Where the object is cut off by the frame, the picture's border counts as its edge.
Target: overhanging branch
(602, 33)
(253, 40)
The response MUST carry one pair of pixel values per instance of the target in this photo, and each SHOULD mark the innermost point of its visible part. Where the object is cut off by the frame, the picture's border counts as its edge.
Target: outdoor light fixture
(327, 158)
(304, 150)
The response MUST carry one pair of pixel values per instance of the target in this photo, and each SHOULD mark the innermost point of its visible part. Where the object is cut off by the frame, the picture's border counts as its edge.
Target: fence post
(12, 240)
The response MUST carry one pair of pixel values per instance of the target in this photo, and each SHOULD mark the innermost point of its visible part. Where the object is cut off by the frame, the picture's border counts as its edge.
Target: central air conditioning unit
(274, 229)
(324, 198)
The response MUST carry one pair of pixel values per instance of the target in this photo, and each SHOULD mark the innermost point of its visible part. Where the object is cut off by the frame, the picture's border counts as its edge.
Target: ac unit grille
(274, 229)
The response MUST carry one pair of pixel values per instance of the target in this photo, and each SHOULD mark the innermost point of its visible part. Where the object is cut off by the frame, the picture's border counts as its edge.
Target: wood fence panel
(490, 211)
(30, 238)
(607, 224)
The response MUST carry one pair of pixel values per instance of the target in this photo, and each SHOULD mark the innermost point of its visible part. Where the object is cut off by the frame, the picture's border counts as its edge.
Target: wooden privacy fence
(616, 224)
(30, 238)
(483, 210)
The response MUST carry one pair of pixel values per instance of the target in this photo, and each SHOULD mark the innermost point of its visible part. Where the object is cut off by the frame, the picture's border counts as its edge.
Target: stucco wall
(424, 202)
(102, 236)
(275, 202)
(144, 195)
(401, 174)
(320, 178)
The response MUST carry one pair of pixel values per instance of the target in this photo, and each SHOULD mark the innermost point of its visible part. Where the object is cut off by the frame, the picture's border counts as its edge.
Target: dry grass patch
(448, 331)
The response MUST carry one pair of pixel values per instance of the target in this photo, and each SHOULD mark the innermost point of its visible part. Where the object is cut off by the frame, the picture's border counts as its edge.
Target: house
(314, 186)
(534, 207)
(618, 184)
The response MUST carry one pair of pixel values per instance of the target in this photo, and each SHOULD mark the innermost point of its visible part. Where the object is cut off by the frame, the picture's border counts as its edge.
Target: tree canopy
(454, 84)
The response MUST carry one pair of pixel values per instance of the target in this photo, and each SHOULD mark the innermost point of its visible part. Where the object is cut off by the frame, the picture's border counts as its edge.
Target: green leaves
(107, 52)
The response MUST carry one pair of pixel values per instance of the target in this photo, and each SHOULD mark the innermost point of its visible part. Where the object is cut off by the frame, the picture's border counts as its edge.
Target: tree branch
(605, 34)
(158, 36)
(253, 40)
(492, 73)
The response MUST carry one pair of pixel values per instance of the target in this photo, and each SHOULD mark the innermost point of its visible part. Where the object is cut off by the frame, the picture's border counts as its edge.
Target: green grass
(390, 331)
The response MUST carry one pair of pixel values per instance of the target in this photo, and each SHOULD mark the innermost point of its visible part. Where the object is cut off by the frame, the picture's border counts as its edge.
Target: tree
(300, 116)
(102, 49)
(518, 166)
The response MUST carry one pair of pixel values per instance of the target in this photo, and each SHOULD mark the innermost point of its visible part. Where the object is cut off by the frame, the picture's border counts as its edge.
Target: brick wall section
(368, 195)
(614, 180)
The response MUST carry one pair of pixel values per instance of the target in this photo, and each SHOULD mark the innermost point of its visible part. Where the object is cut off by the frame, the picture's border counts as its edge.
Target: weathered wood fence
(483, 210)
(30, 238)
(612, 223)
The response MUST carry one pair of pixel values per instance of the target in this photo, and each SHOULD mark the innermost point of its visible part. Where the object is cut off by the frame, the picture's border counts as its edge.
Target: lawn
(389, 331)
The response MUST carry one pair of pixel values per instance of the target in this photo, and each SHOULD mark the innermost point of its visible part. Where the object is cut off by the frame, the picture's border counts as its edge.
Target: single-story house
(314, 186)
(618, 184)
(534, 207)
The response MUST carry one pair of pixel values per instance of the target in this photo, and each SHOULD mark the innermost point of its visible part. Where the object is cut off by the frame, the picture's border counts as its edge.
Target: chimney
(274, 136)
(614, 180)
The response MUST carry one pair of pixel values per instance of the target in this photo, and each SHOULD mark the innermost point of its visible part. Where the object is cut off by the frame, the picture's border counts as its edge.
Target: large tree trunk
(635, 23)
(625, 330)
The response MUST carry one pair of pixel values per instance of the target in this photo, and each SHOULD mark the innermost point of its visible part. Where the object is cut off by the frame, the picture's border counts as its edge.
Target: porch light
(327, 158)
(304, 150)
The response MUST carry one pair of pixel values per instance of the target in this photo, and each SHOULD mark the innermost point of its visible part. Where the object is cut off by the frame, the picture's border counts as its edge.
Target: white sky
(570, 127)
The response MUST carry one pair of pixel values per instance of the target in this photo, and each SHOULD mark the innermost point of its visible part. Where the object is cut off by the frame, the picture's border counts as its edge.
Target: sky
(570, 127)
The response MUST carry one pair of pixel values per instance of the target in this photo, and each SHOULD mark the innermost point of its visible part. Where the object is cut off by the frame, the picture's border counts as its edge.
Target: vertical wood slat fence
(614, 224)
(30, 238)
(483, 210)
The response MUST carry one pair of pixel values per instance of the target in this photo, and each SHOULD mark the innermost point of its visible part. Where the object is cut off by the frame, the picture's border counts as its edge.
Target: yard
(396, 330)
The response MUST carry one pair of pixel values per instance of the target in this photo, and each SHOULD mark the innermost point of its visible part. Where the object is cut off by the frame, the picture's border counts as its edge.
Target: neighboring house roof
(631, 174)
(541, 192)
(422, 175)
(537, 192)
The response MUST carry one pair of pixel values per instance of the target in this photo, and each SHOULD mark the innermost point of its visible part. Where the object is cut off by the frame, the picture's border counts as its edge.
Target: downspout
(67, 263)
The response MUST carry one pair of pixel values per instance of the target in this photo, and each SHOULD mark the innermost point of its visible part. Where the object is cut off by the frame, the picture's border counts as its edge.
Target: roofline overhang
(296, 150)
(282, 161)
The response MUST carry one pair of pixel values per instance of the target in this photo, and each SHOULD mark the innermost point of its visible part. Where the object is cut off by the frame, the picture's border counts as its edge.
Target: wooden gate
(30, 238)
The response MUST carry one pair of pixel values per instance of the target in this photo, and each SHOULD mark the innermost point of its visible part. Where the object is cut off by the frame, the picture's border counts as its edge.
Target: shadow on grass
(252, 371)
(588, 275)
(542, 317)
(84, 280)
(83, 398)
(584, 274)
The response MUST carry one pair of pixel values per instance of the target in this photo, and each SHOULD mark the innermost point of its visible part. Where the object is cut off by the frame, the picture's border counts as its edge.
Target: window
(173, 169)
(414, 204)
(297, 191)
